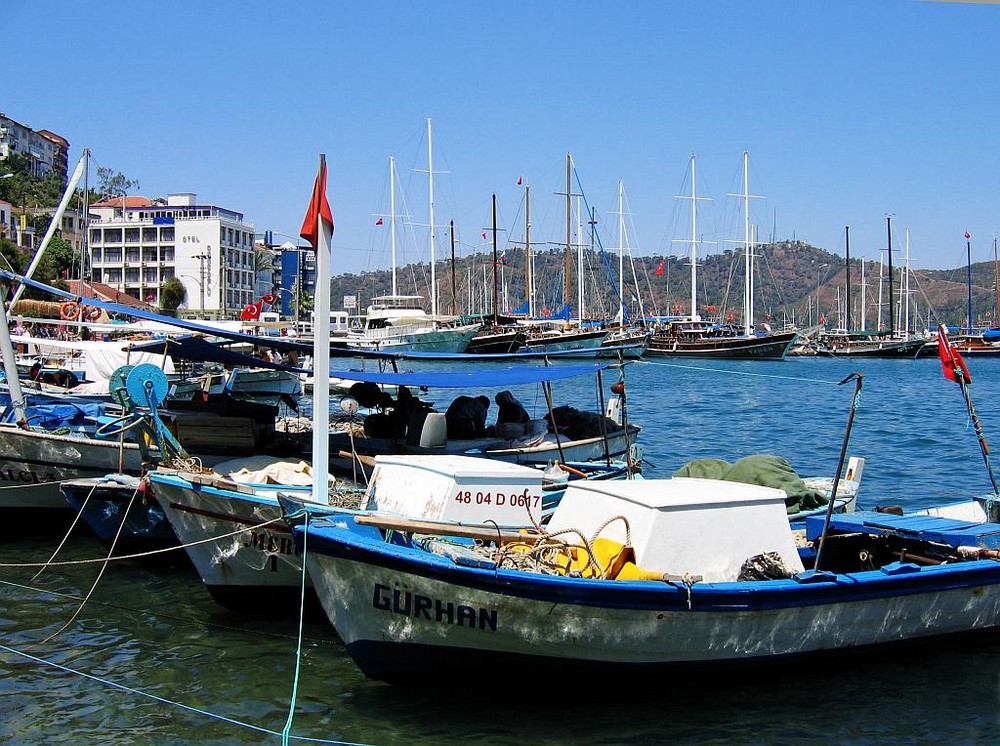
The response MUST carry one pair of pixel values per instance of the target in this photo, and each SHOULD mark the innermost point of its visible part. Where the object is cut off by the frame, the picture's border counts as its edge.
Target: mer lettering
(407, 603)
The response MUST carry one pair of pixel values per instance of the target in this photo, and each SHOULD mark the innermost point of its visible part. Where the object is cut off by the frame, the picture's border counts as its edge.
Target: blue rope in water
(737, 372)
(163, 700)
(298, 648)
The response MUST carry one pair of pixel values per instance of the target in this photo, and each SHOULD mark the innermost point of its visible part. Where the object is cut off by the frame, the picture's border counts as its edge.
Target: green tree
(172, 294)
(111, 183)
(11, 257)
(64, 259)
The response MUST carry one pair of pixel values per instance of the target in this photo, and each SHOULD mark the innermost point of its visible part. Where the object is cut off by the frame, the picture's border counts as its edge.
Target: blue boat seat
(950, 531)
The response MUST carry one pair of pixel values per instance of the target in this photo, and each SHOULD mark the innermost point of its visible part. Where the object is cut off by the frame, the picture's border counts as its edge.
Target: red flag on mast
(659, 269)
(318, 208)
(951, 360)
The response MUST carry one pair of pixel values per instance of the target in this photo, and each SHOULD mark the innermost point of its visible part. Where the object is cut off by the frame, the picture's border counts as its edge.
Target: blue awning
(481, 377)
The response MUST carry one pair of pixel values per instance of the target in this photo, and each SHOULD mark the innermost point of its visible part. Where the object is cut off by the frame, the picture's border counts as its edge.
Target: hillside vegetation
(793, 280)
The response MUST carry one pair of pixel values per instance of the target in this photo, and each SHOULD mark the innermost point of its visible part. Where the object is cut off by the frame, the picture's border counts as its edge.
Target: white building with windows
(137, 243)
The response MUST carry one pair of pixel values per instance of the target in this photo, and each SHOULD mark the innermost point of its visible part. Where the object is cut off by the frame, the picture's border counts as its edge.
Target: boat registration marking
(418, 606)
(499, 499)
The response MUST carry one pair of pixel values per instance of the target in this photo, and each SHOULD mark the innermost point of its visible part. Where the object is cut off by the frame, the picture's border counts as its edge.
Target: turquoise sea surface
(151, 659)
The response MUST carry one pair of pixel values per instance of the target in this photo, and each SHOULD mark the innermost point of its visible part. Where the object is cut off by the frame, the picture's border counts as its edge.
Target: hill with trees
(795, 283)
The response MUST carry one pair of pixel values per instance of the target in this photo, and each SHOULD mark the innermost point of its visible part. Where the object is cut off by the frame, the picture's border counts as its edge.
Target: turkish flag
(251, 312)
(659, 269)
(319, 209)
(951, 361)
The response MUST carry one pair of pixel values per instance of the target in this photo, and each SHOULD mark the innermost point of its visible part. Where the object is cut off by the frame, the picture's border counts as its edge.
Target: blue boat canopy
(452, 379)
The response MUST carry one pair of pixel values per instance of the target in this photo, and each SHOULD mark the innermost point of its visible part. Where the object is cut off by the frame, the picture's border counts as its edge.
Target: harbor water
(138, 653)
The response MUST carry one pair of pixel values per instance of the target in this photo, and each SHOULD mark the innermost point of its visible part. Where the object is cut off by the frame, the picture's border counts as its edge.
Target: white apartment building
(136, 244)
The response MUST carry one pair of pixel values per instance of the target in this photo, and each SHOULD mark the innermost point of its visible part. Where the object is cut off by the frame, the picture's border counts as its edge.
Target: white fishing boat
(230, 522)
(560, 433)
(653, 576)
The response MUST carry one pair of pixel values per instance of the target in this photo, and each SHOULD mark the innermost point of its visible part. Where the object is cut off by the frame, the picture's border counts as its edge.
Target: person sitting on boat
(403, 409)
(512, 418)
(466, 417)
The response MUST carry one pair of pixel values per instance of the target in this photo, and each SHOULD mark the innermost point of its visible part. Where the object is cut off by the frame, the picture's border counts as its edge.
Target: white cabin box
(705, 527)
(462, 489)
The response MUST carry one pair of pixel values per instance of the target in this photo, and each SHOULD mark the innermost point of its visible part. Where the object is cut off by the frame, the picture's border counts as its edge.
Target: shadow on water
(933, 693)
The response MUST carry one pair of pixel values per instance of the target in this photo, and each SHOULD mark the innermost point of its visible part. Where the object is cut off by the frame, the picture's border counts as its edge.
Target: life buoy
(730, 316)
(93, 313)
(69, 311)
(676, 308)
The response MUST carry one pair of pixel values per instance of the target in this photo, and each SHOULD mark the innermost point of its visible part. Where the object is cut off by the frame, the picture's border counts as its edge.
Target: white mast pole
(321, 352)
(906, 288)
(881, 273)
(747, 263)
(392, 218)
(864, 292)
(56, 222)
(694, 240)
(579, 259)
(621, 249)
(694, 243)
(430, 198)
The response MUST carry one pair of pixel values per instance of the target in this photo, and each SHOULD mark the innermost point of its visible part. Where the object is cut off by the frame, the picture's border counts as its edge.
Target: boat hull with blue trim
(121, 513)
(398, 607)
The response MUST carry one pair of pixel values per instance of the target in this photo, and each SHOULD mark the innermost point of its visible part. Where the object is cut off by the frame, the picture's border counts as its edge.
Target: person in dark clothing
(466, 417)
(510, 409)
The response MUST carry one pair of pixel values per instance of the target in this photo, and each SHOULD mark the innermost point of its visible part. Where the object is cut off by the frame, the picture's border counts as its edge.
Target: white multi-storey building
(136, 244)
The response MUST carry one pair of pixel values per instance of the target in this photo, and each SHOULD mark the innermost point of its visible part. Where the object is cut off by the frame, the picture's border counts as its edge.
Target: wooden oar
(416, 526)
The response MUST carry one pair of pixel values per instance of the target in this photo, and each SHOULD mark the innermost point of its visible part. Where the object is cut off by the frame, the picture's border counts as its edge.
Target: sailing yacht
(693, 336)
(883, 343)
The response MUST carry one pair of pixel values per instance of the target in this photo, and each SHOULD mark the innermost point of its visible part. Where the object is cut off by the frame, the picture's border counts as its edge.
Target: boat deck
(950, 531)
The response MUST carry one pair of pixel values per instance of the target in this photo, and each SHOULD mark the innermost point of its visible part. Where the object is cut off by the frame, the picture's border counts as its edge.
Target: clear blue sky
(849, 109)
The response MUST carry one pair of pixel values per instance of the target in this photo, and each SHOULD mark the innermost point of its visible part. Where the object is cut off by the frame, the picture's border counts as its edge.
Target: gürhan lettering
(407, 603)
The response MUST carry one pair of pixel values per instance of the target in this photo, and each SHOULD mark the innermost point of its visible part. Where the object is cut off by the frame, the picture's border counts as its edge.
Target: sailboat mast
(996, 285)
(569, 226)
(968, 254)
(621, 249)
(888, 230)
(864, 292)
(496, 261)
(392, 218)
(430, 200)
(881, 280)
(579, 257)
(529, 278)
(694, 243)
(454, 290)
(747, 262)
(906, 288)
(847, 281)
